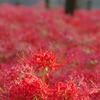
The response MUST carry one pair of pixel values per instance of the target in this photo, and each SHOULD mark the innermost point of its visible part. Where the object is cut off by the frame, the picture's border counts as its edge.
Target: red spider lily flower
(28, 89)
(66, 91)
(45, 59)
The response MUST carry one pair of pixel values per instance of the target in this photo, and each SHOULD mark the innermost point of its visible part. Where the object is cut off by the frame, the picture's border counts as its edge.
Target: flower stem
(44, 74)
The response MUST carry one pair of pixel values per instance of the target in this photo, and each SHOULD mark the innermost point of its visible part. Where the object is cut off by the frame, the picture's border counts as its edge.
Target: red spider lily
(76, 38)
(45, 59)
(66, 91)
(28, 89)
(63, 91)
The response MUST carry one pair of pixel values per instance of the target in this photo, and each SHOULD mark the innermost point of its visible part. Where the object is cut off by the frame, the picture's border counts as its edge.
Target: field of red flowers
(49, 55)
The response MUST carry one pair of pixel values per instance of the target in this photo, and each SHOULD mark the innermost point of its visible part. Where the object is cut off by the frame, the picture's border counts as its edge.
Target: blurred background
(79, 3)
(50, 25)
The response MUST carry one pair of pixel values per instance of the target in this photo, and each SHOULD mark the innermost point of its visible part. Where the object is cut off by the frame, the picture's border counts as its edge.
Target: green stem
(44, 74)
(35, 99)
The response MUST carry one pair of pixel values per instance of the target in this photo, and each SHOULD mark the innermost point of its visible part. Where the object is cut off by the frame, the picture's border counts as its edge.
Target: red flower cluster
(45, 59)
(40, 76)
(28, 89)
(66, 91)
(26, 86)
